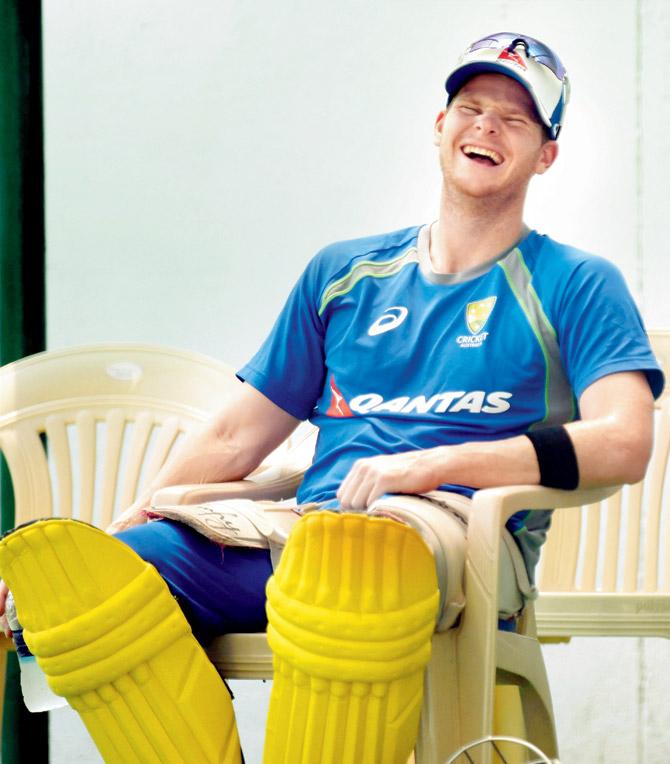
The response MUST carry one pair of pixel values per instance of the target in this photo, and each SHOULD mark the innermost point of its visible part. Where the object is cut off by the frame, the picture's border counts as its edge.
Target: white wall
(199, 153)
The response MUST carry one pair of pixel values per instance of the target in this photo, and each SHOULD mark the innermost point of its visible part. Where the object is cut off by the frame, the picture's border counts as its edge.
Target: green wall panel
(22, 321)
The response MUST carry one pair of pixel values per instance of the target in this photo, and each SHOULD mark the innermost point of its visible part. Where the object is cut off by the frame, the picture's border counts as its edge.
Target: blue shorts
(220, 590)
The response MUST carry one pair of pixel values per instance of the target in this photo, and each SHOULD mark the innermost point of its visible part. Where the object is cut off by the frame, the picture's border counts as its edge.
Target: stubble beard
(483, 204)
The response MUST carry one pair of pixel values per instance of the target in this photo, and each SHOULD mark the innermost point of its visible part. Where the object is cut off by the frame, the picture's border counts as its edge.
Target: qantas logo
(338, 406)
(475, 401)
(389, 320)
(452, 401)
(514, 57)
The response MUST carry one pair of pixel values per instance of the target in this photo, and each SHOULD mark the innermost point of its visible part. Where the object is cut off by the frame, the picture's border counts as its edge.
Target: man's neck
(468, 234)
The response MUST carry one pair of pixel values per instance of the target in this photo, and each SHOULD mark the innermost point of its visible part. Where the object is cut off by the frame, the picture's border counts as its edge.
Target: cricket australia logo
(477, 315)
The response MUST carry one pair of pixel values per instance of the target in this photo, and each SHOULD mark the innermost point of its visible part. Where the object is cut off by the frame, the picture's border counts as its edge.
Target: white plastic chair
(143, 398)
(467, 661)
(84, 428)
(473, 660)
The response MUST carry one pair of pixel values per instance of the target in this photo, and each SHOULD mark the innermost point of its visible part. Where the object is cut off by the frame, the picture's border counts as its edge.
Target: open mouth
(482, 156)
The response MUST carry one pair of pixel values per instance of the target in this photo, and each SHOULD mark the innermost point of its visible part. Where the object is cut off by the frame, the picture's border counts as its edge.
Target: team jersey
(385, 355)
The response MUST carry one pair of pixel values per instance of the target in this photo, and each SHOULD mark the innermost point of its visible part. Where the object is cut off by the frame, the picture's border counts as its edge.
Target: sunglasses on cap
(527, 60)
(533, 49)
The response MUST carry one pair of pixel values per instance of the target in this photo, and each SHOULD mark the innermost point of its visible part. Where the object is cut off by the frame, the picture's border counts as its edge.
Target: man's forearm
(606, 453)
(203, 458)
(602, 460)
(228, 448)
(612, 444)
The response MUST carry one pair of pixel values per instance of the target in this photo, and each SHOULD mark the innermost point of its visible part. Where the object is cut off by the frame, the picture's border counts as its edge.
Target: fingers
(365, 482)
(359, 497)
(406, 472)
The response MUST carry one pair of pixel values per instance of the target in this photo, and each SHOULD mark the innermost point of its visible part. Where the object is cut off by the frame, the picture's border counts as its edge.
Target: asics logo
(389, 320)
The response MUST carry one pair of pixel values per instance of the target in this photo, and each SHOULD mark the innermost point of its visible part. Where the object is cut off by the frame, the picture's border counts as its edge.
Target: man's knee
(441, 519)
(444, 532)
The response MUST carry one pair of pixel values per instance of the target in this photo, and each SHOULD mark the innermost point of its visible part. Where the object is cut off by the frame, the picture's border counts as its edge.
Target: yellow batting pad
(111, 639)
(351, 611)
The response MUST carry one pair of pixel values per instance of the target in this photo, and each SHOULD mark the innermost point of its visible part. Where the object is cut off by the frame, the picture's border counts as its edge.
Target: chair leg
(508, 719)
(539, 721)
(522, 704)
(439, 729)
(520, 663)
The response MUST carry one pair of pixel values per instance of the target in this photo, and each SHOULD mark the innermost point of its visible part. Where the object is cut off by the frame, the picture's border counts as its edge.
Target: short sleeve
(600, 330)
(289, 366)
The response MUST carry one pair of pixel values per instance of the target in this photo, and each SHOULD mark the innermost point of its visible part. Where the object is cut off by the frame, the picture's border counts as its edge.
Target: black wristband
(556, 457)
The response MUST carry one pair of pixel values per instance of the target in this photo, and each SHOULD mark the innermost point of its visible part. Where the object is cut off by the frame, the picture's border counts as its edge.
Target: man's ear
(548, 154)
(437, 129)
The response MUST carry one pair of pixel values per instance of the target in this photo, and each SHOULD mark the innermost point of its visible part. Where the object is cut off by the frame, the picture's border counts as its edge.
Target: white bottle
(37, 695)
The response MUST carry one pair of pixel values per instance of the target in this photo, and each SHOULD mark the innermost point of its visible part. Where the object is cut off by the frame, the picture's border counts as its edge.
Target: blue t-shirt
(385, 355)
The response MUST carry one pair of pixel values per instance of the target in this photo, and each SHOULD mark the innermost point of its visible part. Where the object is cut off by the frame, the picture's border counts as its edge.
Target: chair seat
(242, 656)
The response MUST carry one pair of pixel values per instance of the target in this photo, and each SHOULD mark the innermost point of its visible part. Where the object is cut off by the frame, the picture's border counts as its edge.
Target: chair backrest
(82, 429)
(620, 546)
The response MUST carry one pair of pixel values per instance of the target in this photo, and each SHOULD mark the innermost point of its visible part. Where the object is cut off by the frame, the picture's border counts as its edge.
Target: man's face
(490, 141)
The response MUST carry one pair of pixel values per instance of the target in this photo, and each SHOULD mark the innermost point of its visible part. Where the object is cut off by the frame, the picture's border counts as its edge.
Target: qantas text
(476, 401)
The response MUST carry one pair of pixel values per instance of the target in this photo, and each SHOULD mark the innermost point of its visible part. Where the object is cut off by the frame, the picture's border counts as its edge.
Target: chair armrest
(510, 499)
(270, 484)
(490, 510)
(492, 507)
(277, 478)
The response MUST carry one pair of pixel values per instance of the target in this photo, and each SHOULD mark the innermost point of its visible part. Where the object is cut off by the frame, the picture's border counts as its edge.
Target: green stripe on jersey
(367, 269)
(558, 397)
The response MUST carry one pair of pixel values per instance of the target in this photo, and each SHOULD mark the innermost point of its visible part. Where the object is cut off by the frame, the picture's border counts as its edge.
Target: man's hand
(408, 472)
